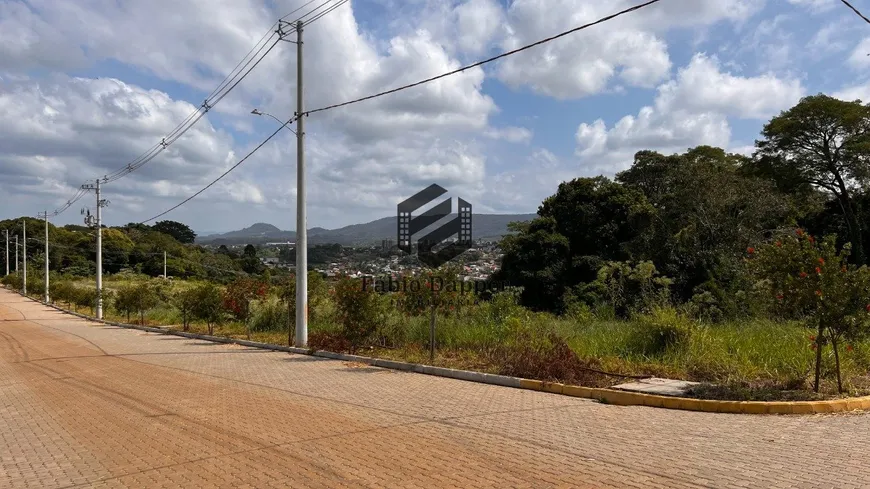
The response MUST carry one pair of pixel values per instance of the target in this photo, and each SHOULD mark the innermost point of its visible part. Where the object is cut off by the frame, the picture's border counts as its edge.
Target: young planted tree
(811, 279)
(360, 310)
(85, 297)
(147, 298)
(185, 301)
(125, 301)
(238, 296)
(208, 305)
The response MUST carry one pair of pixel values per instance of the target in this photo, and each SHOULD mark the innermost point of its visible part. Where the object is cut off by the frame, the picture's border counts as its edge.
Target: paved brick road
(86, 405)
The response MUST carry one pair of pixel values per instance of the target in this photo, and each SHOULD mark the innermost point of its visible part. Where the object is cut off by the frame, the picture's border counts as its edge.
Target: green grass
(750, 359)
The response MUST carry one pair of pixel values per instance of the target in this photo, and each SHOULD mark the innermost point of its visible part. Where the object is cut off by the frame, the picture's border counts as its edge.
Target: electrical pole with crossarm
(45, 216)
(98, 222)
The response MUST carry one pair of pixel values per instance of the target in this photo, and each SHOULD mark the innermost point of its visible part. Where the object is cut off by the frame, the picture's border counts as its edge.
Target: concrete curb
(609, 396)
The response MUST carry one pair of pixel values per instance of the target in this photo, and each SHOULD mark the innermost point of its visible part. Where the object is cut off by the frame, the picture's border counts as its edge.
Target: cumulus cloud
(690, 110)
(629, 50)
(68, 130)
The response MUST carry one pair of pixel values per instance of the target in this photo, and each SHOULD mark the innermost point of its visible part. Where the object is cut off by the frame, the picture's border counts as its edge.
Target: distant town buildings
(387, 245)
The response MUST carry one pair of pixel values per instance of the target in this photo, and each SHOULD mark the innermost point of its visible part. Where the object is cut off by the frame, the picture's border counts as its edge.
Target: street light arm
(279, 121)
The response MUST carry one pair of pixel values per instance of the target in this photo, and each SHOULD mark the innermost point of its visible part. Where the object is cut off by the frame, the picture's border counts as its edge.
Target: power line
(488, 60)
(236, 76)
(257, 148)
(856, 11)
(339, 4)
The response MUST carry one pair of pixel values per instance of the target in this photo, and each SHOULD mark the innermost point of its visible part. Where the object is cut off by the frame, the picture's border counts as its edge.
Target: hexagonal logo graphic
(444, 242)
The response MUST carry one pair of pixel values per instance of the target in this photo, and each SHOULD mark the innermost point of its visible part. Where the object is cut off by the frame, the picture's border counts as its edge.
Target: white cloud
(691, 110)
(814, 5)
(830, 38)
(629, 49)
(510, 134)
(67, 130)
(859, 59)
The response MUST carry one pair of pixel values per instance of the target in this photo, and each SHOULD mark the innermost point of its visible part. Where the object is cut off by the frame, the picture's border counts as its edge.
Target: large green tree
(588, 222)
(708, 212)
(825, 143)
(181, 232)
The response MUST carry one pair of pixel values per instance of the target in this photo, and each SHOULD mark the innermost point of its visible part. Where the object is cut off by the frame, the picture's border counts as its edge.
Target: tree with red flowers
(813, 280)
(239, 294)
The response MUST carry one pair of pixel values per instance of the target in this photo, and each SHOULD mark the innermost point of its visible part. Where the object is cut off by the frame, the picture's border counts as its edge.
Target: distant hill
(484, 226)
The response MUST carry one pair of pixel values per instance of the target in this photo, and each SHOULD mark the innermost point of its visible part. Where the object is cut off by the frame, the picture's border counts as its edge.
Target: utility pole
(99, 223)
(301, 220)
(16, 254)
(7, 251)
(164, 266)
(46, 258)
(24, 262)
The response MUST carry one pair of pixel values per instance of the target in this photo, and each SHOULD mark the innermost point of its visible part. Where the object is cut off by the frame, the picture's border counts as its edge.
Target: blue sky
(85, 87)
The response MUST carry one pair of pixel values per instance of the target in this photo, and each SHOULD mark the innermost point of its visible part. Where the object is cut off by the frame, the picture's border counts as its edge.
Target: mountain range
(483, 226)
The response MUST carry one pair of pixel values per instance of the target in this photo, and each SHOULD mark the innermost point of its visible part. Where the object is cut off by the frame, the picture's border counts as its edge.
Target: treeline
(677, 228)
(138, 248)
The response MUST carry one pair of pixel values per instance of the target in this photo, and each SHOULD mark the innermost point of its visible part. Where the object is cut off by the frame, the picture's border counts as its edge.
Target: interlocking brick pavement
(88, 405)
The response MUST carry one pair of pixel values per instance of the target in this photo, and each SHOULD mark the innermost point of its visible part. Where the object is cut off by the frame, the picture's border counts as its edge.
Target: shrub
(13, 280)
(125, 301)
(185, 301)
(634, 288)
(208, 305)
(360, 310)
(661, 331)
(85, 297)
(238, 296)
(60, 291)
(270, 315)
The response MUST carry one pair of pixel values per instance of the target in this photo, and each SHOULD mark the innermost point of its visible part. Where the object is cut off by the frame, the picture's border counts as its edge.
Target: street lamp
(259, 112)
(301, 219)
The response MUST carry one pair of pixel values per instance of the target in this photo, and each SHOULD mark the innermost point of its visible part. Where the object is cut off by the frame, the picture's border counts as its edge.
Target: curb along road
(609, 396)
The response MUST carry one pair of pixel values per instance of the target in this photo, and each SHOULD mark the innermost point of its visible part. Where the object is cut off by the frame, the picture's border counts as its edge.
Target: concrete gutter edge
(609, 396)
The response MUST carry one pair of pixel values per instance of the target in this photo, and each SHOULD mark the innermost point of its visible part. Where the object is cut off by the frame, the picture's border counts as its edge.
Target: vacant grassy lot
(749, 359)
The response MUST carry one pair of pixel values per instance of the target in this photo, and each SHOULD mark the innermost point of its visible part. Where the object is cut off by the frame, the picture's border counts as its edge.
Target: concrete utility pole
(301, 221)
(46, 258)
(7, 251)
(24, 251)
(16, 254)
(164, 266)
(99, 223)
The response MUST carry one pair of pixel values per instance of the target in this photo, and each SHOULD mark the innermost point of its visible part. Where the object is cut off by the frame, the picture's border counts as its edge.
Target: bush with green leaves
(61, 291)
(270, 315)
(239, 294)
(13, 280)
(807, 278)
(125, 300)
(658, 332)
(360, 310)
(318, 291)
(632, 288)
(208, 306)
(185, 301)
(85, 297)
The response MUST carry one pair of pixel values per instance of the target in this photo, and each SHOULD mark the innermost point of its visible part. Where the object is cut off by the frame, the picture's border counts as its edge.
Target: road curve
(88, 405)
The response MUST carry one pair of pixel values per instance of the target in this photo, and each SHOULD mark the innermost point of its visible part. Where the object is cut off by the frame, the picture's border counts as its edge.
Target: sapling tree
(814, 281)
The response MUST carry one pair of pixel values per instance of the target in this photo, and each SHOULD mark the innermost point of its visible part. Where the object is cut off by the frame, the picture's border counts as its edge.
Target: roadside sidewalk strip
(609, 396)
